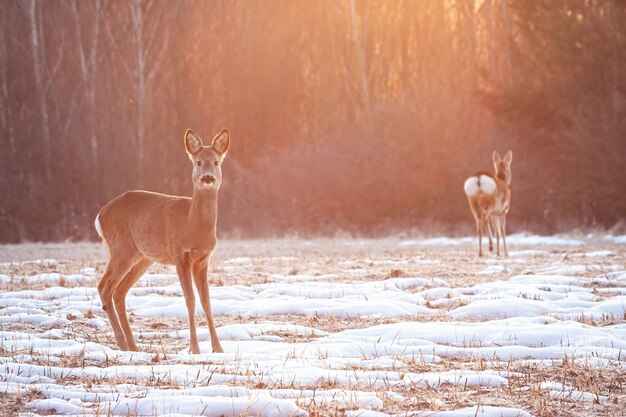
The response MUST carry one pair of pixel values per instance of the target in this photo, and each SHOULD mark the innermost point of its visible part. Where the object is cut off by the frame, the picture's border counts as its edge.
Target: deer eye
(198, 163)
(216, 163)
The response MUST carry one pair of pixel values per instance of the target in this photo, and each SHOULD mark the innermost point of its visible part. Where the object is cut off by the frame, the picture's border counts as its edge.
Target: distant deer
(142, 227)
(489, 198)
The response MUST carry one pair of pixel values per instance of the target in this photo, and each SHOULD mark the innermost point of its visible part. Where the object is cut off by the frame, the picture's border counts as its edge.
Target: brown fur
(490, 210)
(142, 227)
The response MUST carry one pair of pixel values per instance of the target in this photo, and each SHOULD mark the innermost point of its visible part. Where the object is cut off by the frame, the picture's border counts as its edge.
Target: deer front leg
(199, 270)
(184, 276)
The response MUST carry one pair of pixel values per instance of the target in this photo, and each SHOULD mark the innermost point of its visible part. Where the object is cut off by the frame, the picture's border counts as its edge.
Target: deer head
(207, 160)
(502, 166)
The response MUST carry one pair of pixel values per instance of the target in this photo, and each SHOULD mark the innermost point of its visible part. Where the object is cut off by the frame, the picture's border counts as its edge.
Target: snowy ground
(327, 327)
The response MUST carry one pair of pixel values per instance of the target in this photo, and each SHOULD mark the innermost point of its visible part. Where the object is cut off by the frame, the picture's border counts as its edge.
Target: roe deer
(489, 198)
(142, 227)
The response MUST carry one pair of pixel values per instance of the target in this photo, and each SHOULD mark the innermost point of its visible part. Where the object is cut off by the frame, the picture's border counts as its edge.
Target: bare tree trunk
(505, 36)
(497, 38)
(466, 9)
(141, 59)
(140, 81)
(6, 117)
(38, 55)
(362, 65)
(88, 71)
(148, 59)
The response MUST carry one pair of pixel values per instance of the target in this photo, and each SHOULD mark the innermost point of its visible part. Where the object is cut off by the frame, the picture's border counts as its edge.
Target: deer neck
(203, 209)
(503, 175)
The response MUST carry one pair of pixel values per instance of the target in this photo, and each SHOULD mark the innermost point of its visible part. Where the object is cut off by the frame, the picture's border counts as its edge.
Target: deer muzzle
(207, 179)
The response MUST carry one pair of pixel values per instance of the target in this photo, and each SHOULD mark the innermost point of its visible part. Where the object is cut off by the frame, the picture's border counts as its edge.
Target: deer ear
(508, 157)
(496, 159)
(193, 144)
(221, 142)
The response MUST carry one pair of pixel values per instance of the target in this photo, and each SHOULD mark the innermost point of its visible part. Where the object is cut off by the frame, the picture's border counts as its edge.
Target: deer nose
(207, 179)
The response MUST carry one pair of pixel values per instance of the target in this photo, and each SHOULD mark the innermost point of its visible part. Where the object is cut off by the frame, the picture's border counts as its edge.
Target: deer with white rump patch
(489, 198)
(142, 227)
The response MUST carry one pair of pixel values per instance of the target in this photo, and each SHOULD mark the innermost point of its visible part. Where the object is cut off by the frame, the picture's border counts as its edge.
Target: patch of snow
(534, 318)
(301, 278)
(439, 241)
(621, 240)
(522, 239)
(492, 269)
(527, 252)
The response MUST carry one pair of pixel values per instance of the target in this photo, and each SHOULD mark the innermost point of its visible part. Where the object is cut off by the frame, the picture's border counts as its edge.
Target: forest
(361, 117)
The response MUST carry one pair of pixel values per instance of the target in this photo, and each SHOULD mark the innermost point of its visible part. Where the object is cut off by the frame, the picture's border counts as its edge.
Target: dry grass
(372, 260)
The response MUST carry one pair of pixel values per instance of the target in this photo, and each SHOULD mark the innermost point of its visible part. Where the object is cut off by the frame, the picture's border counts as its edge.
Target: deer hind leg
(119, 298)
(200, 278)
(490, 231)
(477, 217)
(480, 224)
(119, 264)
(183, 268)
(496, 229)
(503, 231)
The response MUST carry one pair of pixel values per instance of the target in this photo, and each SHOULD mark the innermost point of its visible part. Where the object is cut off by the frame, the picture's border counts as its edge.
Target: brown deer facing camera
(489, 198)
(142, 227)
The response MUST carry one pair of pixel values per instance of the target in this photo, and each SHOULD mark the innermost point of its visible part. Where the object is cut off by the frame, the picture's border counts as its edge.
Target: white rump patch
(487, 184)
(98, 227)
(482, 183)
(471, 186)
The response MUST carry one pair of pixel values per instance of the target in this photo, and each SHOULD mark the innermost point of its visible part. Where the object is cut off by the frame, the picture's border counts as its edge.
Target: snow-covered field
(340, 327)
